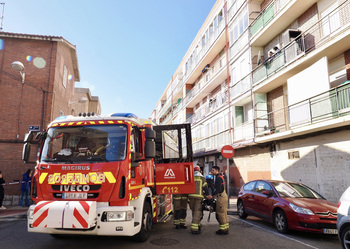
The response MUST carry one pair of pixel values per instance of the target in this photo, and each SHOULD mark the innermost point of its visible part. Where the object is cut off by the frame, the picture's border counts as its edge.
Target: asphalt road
(249, 233)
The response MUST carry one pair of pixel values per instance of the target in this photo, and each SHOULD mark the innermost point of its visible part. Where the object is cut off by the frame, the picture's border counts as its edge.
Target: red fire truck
(107, 175)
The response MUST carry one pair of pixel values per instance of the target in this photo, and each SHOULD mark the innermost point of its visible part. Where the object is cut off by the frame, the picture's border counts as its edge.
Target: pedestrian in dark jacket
(2, 181)
(25, 188)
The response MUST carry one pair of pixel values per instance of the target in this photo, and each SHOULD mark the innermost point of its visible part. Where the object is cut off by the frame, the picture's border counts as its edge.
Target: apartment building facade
(33, 97)
(271, 78)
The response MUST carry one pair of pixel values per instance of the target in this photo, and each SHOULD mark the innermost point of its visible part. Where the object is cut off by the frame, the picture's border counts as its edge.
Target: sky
(127, 50)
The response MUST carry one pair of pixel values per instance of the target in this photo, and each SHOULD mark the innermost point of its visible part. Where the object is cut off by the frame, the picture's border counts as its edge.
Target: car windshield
(295, 190)
(85, 144)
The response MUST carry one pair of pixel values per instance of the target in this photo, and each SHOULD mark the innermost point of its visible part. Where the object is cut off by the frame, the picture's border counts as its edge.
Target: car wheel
(345, 237)
(280, 221)
(240, 210)
(147, 222)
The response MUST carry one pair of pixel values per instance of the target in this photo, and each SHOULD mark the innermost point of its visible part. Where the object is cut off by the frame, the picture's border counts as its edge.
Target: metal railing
(267, 15)
(206, 109)
(328, 105)
(212, 142)
(243, 131)
(323, 31)
(206, 79)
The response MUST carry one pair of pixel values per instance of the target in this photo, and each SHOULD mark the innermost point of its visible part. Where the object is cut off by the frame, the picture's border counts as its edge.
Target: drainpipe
(228, 73)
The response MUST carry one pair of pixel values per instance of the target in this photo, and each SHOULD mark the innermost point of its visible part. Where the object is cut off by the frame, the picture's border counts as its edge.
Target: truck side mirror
(26, 152)
(150, 145)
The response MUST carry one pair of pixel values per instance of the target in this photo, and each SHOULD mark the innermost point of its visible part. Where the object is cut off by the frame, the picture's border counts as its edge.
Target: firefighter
(221, 203)
(180, 208)
(196, 200)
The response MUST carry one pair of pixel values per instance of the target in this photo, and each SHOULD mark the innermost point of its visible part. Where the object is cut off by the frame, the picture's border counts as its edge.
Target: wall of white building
(324, 163)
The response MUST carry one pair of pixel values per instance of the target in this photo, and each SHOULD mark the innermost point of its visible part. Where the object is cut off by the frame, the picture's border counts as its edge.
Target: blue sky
(127, 50)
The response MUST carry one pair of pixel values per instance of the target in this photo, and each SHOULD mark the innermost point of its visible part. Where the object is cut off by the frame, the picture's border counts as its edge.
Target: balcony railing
(328, 105)
(239, 44)
(267, 15)
(208, 108)
(211, 73)
(205, 48)
(323, 31)
(243, 131)
(212, 142)
(241, 86)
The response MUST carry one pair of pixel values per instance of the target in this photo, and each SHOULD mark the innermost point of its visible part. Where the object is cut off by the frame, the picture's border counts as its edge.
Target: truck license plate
(330, 231)
(74, 195)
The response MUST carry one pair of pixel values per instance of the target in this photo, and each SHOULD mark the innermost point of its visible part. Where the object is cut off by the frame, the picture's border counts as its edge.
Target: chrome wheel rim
(279, 221)
(346, 240)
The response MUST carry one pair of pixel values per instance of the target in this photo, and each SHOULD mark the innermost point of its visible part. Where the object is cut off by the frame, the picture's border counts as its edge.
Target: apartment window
(65, 77)
(215, 23)
(220, 16)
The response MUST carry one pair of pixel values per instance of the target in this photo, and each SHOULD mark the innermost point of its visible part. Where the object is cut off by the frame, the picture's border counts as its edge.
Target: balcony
(198, 61)
(327, 106)
(243, 131)
(241, 87)
(217, 73)
(210, 143)
(275, 18)
(208, 108)
(328, 37)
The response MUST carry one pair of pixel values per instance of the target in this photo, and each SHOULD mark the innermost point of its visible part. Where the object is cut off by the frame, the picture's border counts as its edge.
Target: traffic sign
(227, 151)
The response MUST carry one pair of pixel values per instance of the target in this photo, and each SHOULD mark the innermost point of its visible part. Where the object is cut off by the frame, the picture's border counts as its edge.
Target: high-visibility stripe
(85, 205)
(80, 218)
(42, 177)
(169, 183)
(41, 218)
(136, 187)
(110, 177)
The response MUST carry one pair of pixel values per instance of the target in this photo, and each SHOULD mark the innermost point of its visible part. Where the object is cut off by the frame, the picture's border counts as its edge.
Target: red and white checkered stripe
(62, 214)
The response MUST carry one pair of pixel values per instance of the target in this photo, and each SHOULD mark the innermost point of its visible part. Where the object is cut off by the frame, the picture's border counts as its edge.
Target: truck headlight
(300, 210)
(30, 213)
(112, 216)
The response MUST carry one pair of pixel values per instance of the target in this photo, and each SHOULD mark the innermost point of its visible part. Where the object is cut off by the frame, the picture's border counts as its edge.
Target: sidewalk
(13, 212)
(18, 212)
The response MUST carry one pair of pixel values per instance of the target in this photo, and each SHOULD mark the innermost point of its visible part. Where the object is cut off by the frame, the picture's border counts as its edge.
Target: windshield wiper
(58, 160)
(96, 158)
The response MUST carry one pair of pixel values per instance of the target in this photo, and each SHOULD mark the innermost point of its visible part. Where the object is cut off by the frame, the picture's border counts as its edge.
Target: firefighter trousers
(196, 207)
(221, 210)
(180, 209)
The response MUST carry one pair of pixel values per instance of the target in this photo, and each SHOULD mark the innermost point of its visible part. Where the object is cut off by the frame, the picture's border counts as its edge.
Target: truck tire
(146, 223)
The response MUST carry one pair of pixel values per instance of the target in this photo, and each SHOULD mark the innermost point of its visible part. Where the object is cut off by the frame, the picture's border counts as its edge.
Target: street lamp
(18, 66)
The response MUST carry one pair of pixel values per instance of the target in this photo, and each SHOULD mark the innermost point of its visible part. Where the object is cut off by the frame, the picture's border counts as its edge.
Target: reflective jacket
(201, 186)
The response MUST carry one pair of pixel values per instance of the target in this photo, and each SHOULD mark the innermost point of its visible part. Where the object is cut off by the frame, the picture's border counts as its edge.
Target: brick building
(46, 91)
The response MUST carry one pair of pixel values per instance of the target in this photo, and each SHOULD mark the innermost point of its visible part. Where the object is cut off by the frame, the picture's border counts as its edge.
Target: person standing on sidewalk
(2, 194)
(196, 200)
(222, 199)
(25, 188)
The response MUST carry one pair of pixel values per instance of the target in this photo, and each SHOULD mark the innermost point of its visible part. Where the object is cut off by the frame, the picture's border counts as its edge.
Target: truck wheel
(146, 223)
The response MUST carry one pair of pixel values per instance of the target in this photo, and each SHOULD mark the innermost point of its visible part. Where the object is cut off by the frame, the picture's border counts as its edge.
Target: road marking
(279, 234)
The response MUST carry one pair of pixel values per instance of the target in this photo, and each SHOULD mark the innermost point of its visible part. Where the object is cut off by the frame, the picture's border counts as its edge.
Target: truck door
(174, 159)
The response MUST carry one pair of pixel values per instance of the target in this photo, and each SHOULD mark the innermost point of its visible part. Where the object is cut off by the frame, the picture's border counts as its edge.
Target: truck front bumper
(82, 218)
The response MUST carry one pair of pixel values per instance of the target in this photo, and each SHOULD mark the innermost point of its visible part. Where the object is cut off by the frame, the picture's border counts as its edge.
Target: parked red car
(288, 205)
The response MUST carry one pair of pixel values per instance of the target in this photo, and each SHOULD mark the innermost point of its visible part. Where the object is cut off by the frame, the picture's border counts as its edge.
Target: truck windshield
(85, 144)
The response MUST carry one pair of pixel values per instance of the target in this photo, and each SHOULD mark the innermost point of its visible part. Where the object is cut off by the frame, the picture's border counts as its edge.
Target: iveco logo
(74, 188)
(169, 173)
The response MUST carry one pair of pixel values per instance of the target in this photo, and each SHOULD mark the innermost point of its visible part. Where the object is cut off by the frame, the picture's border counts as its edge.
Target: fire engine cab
(107, 175)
